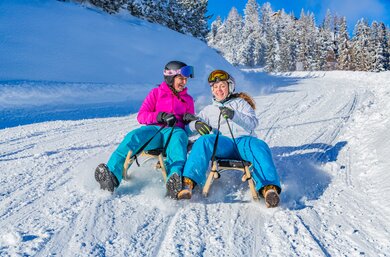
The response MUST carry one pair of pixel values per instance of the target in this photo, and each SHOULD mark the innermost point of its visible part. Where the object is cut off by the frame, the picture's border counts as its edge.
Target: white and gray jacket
(243, 123)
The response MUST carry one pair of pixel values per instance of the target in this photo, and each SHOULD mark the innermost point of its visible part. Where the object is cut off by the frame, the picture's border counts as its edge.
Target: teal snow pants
(251, 149)
(176, 150)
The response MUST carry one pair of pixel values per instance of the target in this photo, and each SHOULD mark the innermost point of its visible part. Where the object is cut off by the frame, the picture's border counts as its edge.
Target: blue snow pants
(251, 149)
(176, 150)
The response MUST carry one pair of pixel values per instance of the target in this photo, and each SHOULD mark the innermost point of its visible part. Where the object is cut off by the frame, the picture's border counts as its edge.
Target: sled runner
(155, 153)
(219, 165)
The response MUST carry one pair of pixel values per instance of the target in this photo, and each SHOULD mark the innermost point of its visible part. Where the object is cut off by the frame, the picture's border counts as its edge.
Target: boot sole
(184, 194)
(174, 185)
(271, 199)
(101, 176)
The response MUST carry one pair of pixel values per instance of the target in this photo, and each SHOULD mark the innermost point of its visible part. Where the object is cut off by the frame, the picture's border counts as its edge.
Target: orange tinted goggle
(218, 75)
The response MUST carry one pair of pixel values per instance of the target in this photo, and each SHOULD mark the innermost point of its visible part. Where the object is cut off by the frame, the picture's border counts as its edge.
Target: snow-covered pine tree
(249, 53)
(361, 41)
(272, 51)
(388, 45)
(335, 37)
(212, 36)
(152, 11)
(173, 12)
(384, 45)
(312, 43)
(287, 43)
(326, 57)
(230, 37)
(378, 47)
(110, 6)
(301, 40)
(266, 27)
(344, 58)
(192, 18)
(272, 29)
(135, 8)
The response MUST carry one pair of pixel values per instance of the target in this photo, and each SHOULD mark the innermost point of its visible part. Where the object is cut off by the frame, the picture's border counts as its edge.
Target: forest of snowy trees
(185, 16)
(266, 38)
(281, 42)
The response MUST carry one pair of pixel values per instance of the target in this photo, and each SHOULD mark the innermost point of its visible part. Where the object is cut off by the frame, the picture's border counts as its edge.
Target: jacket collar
(223, 102)
(164, 86)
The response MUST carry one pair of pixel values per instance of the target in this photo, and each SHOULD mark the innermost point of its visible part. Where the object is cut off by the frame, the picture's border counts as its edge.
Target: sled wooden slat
(128, 161)
(213, 175)
(251, 184)
(162, 166)
(154, 153)
(228, 164)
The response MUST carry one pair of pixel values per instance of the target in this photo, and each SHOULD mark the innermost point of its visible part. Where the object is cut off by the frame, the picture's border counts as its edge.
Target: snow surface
(328, 132)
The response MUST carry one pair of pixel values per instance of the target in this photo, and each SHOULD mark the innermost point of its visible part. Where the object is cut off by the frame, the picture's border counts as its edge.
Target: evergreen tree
(212, 37)
(379, 47)
(302, 38)
(312, 43)
(110, 6)
(336, 36)
(231, 37)
(360, 46)
(344, 59)
(272, 50)
(249, 53)
(266, 29)
(192, 18)
(326, 55)
(286, 42)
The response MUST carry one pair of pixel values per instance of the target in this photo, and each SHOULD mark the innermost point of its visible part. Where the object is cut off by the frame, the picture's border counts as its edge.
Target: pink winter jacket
(162, 99)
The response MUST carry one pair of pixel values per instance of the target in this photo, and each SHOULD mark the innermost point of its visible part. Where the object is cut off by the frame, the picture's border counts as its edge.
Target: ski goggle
(186, 71)
(218, 75)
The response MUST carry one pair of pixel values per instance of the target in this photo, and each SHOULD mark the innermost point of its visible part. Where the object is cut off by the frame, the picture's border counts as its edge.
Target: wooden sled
(155, 153)
(228, 164)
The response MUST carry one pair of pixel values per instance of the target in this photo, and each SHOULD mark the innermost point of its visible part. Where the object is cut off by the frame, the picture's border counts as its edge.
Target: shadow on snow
(300, 171)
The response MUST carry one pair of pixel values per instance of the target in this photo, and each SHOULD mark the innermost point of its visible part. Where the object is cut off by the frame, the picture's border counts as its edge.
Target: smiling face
(220, 90)
(179, 83)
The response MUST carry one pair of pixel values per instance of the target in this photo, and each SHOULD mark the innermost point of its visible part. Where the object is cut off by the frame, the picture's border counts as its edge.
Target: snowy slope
(329, 145)
(328, 133)
(63, 61)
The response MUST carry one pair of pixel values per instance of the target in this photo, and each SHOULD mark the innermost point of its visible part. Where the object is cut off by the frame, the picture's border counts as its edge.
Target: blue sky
(353, 9)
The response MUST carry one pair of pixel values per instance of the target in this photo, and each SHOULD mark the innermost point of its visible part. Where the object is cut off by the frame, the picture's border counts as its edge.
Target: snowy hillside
(328, 133)
(330, 148)
(62, 61)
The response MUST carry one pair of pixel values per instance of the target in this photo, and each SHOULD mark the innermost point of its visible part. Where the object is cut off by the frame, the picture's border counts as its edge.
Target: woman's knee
(258, 144)
(206, 140)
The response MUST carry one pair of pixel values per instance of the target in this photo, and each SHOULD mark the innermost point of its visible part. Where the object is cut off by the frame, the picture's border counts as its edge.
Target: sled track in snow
(51, 213)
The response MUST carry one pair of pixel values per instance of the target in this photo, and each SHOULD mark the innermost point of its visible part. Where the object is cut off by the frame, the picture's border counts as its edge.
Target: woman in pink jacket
(164, 106)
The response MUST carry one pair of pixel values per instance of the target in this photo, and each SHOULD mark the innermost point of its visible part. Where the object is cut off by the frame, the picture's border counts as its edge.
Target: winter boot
(106, 178)
(186, 193)
(174, 184)
(271, 196)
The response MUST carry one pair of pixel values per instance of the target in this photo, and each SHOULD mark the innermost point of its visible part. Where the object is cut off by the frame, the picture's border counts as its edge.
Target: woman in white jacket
(238, 110)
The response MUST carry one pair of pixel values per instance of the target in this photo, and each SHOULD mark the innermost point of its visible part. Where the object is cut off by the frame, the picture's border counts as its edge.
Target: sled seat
(220, 164)
(149, 154)
(154, 153)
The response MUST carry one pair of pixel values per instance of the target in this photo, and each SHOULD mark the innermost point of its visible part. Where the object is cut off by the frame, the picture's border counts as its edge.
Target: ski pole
(134, 155)
(235, 143)
(169, 139)
(216, 138)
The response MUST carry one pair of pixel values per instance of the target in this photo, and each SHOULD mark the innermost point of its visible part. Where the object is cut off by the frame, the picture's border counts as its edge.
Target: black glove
(202, 128)
(188, 117)
(227, 113)
(167, 118)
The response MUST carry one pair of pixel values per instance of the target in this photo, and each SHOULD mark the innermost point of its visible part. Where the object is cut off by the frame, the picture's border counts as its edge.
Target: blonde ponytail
(246, 97)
